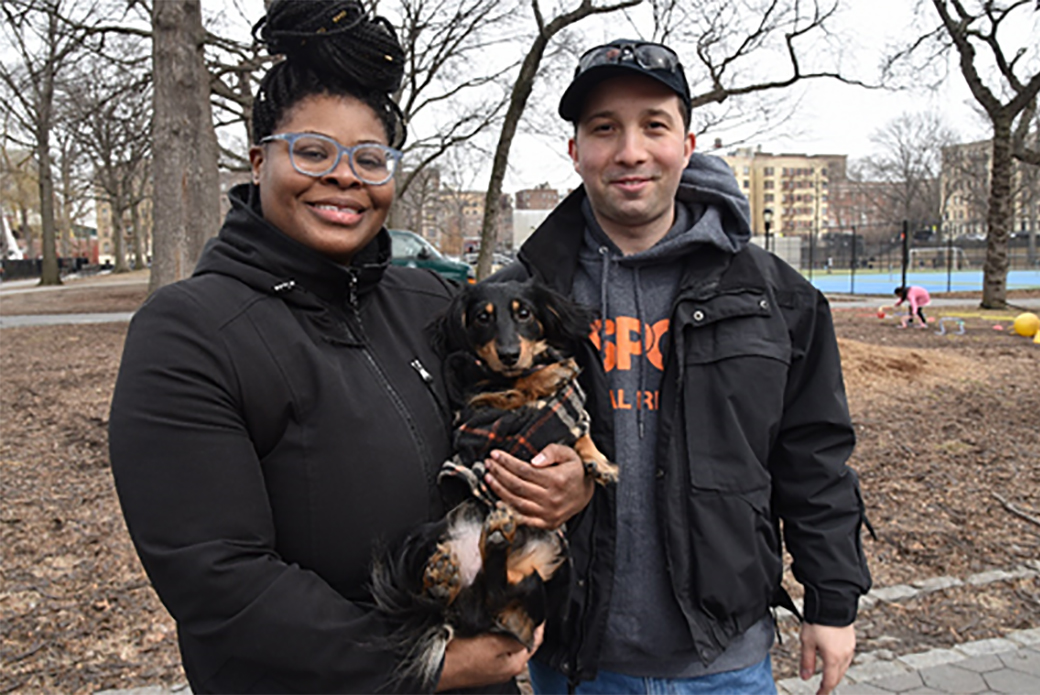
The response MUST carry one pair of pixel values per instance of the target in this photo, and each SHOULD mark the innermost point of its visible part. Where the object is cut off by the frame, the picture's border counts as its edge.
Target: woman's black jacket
(753, 429)
(275, 417)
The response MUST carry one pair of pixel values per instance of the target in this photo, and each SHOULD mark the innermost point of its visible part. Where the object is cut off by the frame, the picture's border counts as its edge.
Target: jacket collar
(254, 251)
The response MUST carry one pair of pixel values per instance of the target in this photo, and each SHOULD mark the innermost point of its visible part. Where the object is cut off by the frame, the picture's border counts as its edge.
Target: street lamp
(767, 220)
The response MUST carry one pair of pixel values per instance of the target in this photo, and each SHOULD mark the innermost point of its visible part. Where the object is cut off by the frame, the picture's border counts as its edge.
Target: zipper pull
(283, 287)
(423, 374)
(352, 284)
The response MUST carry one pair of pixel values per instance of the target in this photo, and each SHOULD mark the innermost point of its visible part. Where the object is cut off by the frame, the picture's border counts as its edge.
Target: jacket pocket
(736, 357)
(735, 549)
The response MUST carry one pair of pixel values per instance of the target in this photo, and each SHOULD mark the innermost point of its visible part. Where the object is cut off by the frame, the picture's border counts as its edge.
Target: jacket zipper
(395, 398)
(427, 379)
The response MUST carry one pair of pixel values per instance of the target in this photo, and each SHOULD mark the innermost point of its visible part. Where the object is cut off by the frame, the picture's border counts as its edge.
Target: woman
(280, 414)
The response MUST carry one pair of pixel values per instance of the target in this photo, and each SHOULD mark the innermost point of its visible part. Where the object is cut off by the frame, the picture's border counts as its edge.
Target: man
(714, 378)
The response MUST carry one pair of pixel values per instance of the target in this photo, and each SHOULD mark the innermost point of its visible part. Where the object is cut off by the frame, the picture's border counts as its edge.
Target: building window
(768, 171)
(768, 197)
(767, 184)
(747, 184)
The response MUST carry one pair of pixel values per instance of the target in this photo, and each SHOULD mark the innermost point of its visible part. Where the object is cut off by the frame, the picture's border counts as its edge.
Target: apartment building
(965, 184)
(794, 187)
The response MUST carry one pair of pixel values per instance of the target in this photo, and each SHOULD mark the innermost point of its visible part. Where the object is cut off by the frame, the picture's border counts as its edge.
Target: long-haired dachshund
(513, 387)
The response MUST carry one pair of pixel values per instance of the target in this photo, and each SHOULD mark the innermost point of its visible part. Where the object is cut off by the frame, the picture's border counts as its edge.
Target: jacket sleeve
(815, 493)
(194, 498)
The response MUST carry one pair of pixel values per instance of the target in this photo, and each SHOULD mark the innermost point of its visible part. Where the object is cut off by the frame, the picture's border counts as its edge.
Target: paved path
(59, 319)
(1003, 665)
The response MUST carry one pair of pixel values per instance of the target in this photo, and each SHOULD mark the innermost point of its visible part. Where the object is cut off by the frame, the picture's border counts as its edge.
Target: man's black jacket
(753, 429)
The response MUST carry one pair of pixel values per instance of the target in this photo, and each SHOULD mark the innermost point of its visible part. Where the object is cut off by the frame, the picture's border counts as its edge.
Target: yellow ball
(1027, 324)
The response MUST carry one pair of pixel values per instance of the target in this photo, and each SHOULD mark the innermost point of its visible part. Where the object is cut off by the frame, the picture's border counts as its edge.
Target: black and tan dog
(513, 387)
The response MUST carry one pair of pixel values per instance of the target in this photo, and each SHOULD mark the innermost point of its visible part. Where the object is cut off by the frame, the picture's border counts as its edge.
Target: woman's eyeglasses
(651, 56)
(317, 155)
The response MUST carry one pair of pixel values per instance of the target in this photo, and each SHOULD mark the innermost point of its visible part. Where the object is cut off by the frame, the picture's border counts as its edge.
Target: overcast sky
(833, 118)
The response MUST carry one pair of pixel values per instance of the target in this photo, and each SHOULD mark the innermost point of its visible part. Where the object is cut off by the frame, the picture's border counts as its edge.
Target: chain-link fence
(892, 250)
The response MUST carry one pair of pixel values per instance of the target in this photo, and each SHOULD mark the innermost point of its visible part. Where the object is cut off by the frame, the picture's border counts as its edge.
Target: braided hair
(332, 47)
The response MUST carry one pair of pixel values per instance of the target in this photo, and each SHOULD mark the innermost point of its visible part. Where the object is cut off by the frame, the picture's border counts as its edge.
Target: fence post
(852, 270)
(906, 250)
(949, 261)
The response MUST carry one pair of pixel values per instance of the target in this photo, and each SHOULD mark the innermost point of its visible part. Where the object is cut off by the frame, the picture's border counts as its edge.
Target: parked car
(411, 250)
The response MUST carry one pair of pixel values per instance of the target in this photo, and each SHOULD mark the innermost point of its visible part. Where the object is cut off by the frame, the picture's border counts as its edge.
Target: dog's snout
(509, 356)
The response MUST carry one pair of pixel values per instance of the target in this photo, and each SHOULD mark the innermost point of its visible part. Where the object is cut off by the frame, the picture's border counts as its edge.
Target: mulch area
(948, 441)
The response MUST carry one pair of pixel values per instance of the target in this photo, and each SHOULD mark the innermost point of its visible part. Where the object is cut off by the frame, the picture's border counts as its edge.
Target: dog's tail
(420, 635)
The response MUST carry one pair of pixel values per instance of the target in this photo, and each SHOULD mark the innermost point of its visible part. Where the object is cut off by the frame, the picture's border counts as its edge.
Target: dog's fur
(478, 570)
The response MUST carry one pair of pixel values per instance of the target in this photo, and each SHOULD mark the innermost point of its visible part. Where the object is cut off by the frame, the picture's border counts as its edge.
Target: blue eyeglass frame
(392, 155)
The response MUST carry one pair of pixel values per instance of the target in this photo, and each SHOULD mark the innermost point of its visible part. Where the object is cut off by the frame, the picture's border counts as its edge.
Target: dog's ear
(448, 329)
(564, 320)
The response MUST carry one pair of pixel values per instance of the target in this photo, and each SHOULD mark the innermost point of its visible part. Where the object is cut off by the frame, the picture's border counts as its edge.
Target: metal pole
(949, 260)
(906, 249)
(812, 241)
(852, 274)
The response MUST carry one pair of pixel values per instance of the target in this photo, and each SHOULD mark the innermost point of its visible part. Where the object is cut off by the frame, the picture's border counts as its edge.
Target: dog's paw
(603, 472)
(596, 464)
(442, 577)
(500, 528)
(515, 622)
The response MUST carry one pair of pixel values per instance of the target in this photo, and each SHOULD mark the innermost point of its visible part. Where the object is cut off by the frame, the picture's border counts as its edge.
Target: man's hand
(476, 661)
(547, 491)
(836, 646)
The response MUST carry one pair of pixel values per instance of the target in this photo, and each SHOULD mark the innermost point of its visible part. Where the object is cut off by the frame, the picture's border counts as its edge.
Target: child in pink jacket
(917, 298)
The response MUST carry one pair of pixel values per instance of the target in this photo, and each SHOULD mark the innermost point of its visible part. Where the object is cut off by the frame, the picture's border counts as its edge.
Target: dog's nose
(509, 356)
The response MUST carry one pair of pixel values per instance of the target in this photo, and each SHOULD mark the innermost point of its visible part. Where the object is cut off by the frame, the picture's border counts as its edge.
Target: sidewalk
(1003, 665)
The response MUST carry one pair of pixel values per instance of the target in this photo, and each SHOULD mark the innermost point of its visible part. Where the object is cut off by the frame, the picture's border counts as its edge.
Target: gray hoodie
(635, 294)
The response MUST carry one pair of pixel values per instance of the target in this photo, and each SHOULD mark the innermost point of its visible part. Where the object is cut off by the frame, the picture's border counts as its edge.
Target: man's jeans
(753, 680)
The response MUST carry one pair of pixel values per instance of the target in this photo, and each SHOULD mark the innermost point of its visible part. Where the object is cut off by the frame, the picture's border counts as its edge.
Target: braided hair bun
(331, 47)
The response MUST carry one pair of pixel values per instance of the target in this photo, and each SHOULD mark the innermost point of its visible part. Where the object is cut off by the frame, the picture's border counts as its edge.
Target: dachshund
(513, 387)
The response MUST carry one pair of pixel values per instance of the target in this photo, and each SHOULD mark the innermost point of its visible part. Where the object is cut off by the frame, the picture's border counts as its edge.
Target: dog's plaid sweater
(522, 432)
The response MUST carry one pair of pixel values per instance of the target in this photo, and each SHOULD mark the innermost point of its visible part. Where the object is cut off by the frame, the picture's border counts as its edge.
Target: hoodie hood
(260, 255)
(708, 183)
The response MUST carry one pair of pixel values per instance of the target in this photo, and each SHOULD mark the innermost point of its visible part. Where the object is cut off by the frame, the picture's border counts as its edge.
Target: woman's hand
(547, 491)
(476, 661)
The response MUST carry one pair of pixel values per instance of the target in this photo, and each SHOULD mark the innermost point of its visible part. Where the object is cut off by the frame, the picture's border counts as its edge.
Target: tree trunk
(135, 220)
(49, 272)
(998, 220)
(118, 237)
(517, 103)
(186, 204)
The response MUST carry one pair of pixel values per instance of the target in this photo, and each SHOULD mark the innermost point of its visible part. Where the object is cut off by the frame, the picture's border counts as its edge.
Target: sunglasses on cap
(649, 56)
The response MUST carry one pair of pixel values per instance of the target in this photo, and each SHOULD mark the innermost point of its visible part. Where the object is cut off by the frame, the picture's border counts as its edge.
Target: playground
(948, 454)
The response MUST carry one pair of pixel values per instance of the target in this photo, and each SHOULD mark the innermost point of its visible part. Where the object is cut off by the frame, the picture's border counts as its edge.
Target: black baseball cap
(623, 57)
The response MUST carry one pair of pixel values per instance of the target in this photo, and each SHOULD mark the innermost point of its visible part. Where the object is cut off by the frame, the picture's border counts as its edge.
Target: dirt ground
(948, 453)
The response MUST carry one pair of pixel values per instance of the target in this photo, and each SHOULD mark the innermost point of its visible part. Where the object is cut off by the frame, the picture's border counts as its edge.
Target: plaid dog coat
(522, 432)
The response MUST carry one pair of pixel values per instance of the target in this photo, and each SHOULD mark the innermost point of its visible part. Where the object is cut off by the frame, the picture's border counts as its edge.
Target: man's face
(630, 148)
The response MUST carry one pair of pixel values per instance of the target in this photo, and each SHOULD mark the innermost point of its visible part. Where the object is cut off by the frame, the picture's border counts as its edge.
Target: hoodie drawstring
(641, 394)
(604, 253)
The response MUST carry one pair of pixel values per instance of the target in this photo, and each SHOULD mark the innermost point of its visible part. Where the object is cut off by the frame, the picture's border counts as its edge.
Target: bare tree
(1004, 79)
(450, 89)
(519, 95)
(725, 39)
(44, 43)
(19, 191)
(186, 177)
(112, 120)
(908, 157)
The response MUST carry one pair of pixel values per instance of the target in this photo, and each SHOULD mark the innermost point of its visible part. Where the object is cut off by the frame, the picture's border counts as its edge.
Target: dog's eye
(482, 317)
(523, 313)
